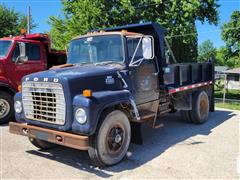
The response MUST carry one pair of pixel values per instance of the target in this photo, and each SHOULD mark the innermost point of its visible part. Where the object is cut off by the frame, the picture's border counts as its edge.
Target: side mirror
(148, 47)
(22, 57)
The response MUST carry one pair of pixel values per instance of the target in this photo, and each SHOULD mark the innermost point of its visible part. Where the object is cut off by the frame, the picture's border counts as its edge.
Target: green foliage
(11, 22)
(8, 21)
(221, 56)
(177, 16)
(219, 85)
(224, 58)
(228, 105)
(206, 51)
(231, 35)
(23, 22)
(231, 94)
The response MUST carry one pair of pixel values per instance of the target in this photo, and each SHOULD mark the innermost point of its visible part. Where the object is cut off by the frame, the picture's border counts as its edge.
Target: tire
(110, 143)
(42, 144)
(200, 107)
(6, 107)
(185, 116)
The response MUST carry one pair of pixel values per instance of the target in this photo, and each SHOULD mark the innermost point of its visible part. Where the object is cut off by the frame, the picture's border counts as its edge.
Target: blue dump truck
(115, 80)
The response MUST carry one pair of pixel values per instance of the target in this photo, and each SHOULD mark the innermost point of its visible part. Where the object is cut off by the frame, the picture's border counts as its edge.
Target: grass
(230, 94)
(233, 106)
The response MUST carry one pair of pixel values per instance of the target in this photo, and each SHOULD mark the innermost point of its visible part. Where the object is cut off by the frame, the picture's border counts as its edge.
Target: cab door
(145, 82)
(144, 77)
(35, 62)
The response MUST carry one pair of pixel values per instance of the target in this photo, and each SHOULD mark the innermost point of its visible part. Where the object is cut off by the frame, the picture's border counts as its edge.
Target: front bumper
(56, 137)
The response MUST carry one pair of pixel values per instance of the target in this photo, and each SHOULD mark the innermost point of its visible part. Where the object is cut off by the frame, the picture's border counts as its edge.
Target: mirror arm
(170, 50)
(136, 63)
(134, 54)
(17, 59)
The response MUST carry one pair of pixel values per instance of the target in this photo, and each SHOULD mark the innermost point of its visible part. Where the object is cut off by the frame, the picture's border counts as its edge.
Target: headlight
(81, 116)
(18, 107)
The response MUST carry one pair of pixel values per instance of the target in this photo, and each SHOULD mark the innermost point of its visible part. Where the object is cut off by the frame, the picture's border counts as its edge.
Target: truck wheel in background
(110, 143)
(200, 107)
(42, 144)
(185, 116)
(6, 107)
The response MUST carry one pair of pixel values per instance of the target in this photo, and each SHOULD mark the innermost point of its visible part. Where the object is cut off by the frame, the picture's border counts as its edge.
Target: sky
(42, 9)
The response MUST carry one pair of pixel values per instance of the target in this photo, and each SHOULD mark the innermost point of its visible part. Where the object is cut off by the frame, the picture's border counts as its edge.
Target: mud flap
(136, 133)
(212, 101)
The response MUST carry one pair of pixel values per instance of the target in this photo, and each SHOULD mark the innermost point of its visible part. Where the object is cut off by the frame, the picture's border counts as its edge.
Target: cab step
(147, 115)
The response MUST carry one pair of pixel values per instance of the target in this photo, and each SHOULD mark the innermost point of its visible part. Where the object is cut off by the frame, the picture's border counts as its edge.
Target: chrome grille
(44, 101)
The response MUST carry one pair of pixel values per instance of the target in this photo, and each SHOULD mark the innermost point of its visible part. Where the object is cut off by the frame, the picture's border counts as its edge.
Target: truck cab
(38, 56)
(115, 80)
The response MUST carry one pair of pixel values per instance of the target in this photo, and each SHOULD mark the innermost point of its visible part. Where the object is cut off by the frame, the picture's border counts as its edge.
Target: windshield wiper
(108, 62)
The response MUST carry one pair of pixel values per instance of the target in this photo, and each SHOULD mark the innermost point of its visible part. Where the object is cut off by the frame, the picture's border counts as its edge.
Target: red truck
(38, 56)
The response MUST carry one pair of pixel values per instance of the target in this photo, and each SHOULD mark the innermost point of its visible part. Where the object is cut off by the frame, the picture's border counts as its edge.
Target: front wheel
(6, 107)
(110, 143)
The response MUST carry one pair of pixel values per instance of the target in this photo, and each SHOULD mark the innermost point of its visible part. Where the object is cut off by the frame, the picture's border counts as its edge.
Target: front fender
(3, 80)
(4, 83)
(94, 106)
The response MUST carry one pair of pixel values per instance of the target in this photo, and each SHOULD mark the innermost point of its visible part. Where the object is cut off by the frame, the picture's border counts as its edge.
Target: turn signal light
(23, 31)
(19, 88)
(87, 93)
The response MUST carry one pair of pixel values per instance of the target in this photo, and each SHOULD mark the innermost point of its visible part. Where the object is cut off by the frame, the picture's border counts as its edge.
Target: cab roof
(36, 37)
(104, 33)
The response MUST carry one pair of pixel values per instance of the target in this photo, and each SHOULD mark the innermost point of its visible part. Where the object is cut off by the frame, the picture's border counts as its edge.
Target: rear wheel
(200, 107)
(110, 143)
(6, 107)
(42, 144)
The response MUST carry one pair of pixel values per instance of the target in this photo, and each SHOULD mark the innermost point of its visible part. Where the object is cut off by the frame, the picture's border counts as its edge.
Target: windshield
(4, 47)
(96, 49)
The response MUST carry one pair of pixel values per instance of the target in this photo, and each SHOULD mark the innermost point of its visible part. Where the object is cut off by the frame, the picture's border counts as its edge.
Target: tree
(221, 56)
(177, 16)
(8, 21)
(11, 22)
(231, 35)
(23, 21)
(206, 51)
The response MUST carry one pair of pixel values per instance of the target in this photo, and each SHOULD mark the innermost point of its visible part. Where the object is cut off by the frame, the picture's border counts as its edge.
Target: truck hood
(74, 80)
(77, 78)
(83, 71)
(74, 72)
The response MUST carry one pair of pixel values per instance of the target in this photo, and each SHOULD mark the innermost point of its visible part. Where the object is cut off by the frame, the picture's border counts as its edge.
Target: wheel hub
(115, 139)
(203, 107)
(118, 138)
(4, 108)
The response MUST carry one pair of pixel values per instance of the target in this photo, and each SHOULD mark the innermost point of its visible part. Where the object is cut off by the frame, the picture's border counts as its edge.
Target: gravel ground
(178, 150)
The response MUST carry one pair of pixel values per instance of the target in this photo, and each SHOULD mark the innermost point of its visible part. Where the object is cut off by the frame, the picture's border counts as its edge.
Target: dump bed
(183, 76)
